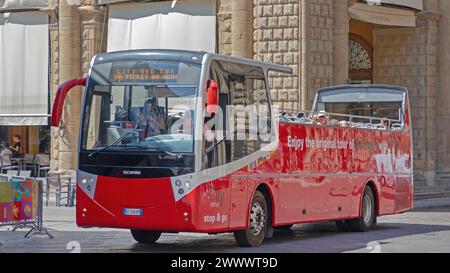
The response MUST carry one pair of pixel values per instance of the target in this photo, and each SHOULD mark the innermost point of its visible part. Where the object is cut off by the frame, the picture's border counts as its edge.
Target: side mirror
(61, 97)
(213, 97)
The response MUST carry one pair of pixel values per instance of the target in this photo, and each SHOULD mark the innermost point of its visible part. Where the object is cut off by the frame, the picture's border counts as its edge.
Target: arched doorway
(360, 59)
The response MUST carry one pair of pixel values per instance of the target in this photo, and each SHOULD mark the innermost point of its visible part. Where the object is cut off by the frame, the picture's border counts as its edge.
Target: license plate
(132, 212)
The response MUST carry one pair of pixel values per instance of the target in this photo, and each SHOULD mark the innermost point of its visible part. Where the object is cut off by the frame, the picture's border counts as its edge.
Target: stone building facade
(311, 36)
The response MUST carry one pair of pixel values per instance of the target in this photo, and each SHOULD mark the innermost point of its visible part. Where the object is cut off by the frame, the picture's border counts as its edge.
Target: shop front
(24, 76)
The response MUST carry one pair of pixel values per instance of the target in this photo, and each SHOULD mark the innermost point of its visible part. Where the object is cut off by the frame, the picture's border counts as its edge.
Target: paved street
(427, 229)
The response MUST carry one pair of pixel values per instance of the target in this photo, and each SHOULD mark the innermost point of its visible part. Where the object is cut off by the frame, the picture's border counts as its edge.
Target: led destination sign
(160, 72)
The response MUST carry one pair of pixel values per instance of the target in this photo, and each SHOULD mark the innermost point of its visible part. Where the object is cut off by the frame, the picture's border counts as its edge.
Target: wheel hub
(367, 209)
(257, 219)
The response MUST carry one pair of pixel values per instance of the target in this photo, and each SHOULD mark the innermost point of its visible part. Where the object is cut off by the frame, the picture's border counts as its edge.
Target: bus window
(370, 106)
(215, 143)
(94, 122)
(244, 121)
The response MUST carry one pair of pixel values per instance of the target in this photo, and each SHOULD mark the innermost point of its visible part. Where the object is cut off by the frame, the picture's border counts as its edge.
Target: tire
(284, 228)
(145, 236)
(368, 219)
(256, 233)
(343, 225)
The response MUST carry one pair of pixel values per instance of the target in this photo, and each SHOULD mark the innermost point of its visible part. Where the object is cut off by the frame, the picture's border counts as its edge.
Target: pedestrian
(15, 148)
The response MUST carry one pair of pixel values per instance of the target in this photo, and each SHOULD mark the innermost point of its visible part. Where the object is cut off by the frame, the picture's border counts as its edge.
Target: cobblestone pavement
(424, 230)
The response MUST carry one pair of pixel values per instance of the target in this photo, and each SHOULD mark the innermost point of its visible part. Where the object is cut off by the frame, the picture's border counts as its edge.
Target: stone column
(224, 26)
(54, 76)
(93, 33)
(303, 54)
(242, 28)
(69, 68)
(443, 94)
(430, 20)
(340, 43)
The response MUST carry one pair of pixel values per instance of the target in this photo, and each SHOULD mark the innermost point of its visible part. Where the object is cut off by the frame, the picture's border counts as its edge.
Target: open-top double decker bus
(180, 141)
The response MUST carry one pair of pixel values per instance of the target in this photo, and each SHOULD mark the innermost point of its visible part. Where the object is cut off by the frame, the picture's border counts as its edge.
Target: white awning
(188, 25)
(383, 15)
(24, 68)
(415, 4)
(105, 2)
(22, 4)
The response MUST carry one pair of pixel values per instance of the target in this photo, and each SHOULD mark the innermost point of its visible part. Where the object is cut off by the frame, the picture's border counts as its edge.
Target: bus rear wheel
(145, 236)
(255, 234)
(368, 219)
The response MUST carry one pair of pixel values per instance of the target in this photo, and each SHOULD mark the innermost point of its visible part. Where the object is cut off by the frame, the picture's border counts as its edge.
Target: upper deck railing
(340, 120)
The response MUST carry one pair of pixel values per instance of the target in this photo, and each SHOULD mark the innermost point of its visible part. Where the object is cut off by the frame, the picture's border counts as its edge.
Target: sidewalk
(431, 203)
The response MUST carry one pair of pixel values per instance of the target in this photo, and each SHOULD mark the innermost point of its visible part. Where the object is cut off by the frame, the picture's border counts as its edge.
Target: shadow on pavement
(321, 237)
(307, 238)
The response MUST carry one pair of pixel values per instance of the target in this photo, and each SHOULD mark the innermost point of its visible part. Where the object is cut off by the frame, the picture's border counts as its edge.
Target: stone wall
(276, 40)
(320, 48)
(407, 57)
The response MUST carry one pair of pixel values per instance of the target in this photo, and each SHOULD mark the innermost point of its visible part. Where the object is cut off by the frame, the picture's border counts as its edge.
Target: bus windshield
(143, 106)
(141, 117)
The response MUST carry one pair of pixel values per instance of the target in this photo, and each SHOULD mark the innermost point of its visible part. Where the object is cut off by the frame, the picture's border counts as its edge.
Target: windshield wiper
(153, 147)
(92, 155)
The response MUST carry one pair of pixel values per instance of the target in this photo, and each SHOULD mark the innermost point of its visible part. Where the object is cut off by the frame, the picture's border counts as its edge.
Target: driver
(149, 120)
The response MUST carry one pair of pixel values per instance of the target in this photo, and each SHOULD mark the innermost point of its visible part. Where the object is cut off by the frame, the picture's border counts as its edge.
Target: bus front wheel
(255, 234)
(145, 236)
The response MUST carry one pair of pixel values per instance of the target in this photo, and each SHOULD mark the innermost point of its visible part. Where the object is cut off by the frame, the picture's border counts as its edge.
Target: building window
(360, 60)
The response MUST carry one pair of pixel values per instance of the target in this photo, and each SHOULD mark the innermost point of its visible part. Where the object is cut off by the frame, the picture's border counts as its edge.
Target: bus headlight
(188, 185)
(87, 182)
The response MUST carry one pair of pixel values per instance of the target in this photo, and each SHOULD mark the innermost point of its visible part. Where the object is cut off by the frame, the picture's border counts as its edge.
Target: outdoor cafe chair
(11, 173)
(6, 167)
(69, 182)
(25, 174)
(63, 188)
(43, 164)
(30, 162)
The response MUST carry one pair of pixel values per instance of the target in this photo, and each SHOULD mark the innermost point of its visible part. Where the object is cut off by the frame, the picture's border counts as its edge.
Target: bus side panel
(239, 195)
(402, 166)
(315, 184)
(372, 162)
(303, 192)
(214, 204)
(342, 204)
(386, 174)
(291, 193)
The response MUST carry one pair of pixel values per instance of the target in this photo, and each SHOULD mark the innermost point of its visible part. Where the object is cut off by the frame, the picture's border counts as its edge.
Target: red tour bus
(179, 141)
